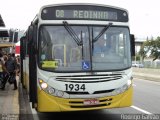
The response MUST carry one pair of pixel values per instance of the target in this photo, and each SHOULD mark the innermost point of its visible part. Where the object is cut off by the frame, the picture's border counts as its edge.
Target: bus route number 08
(59, 13)
(75, 87)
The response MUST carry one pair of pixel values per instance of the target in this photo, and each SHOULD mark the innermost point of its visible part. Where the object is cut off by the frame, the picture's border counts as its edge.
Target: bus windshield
(76, 50)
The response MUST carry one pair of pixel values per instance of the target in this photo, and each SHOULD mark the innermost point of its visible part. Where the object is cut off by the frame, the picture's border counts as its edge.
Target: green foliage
(137, 58)
(151, 46)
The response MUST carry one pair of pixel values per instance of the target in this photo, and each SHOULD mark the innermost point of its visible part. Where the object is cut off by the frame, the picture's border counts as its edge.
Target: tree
(145, 48)
(151, 47)
(155, 51)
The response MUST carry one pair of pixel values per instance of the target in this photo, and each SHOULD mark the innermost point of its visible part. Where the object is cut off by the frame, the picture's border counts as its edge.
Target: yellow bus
(61, 69)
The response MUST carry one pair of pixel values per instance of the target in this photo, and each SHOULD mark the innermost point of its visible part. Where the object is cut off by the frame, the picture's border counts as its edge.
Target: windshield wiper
(102, 32)
(72, 33)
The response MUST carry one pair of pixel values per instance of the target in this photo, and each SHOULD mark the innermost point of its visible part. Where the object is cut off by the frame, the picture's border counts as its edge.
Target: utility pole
(13, 41)
(135, 53)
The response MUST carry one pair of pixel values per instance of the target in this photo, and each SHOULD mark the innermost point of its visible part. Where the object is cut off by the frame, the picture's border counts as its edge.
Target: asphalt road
(146, 101)
(147, 95)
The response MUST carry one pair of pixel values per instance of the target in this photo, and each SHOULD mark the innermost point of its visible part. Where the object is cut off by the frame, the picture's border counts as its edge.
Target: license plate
(91, 102)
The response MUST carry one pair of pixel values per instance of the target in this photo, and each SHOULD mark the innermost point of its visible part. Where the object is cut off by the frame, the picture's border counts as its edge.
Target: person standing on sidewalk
(3, 71)
(1, 65)
(11, 68)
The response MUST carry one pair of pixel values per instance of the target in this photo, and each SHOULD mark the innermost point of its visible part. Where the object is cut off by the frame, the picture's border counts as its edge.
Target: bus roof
(1, 22)
(83, 11)
(94, 4)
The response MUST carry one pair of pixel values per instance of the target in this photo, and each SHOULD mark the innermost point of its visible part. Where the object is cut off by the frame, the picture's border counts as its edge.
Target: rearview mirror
(132, 41)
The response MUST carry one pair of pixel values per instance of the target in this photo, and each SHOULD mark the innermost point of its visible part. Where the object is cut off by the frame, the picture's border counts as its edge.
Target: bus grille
(96, 92)
(79, 104)
(90, 106)
(95, 78)
(89, 78)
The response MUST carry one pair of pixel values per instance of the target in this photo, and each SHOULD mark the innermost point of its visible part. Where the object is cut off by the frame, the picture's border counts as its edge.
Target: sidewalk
(9, 102)
(147, 73)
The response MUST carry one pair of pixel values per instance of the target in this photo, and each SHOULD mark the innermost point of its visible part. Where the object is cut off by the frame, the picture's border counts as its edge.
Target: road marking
(139, 109)
(34, 112)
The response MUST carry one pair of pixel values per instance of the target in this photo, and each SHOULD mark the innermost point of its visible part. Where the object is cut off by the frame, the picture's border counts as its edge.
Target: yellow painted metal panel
(48, 103)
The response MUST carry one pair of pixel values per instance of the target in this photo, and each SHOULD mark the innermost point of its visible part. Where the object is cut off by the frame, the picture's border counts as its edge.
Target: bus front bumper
(48, 103)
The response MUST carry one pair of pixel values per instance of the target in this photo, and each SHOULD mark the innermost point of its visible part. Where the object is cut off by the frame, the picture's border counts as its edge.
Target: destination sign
(84, 12)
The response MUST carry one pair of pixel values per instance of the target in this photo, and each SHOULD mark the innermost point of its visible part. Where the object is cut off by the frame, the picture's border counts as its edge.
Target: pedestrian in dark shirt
(11, 68)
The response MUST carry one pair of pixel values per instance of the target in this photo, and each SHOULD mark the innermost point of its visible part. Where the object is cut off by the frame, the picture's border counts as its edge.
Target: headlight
(44, 85)
(52, 91)
(129, 82)
(123, 88)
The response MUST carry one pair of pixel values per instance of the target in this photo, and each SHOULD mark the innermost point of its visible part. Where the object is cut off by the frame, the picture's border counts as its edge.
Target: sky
(144, 16)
